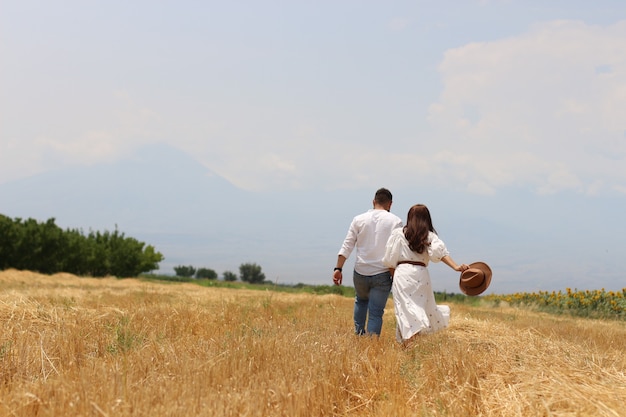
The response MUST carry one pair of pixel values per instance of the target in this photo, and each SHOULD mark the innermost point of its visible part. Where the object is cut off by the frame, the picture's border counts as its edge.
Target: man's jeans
(371, 296)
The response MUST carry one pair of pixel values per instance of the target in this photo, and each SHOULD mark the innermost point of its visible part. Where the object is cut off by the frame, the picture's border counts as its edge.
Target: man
(369, 232)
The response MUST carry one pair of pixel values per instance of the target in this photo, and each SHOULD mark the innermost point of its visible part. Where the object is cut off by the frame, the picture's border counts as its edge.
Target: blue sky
(473, 97)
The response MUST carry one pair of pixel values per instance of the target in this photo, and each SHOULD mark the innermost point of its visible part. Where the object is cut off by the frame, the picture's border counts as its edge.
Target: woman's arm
(450, 262)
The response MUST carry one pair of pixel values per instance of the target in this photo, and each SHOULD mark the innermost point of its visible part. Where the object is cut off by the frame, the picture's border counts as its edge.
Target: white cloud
(92, 147)
(480, 188)
(17, 160)
(620, 189)
(537, 104)
(543, 109)
(398, 24)
(98, 126)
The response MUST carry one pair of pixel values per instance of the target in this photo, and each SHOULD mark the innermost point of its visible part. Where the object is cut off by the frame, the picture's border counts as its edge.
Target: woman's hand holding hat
(475, 279)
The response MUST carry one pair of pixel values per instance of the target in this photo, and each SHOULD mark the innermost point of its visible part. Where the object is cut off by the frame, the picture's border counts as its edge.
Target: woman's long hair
(418, 224)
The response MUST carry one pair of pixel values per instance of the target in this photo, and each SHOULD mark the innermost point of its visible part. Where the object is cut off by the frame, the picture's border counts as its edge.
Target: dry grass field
(105, 347)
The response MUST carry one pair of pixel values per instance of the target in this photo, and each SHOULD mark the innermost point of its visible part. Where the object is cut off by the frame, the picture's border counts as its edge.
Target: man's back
(369, 233)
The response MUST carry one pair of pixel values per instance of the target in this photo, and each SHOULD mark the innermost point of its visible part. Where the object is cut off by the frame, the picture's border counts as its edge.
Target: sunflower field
(589, 303)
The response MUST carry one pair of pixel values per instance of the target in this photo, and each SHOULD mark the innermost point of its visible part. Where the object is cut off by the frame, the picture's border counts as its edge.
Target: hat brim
(486, 270)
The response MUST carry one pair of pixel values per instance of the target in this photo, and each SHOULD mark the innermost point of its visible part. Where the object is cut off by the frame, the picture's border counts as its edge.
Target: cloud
(535, 108)
(90, 127)
(90, 148)
(542, 109)
(398, 24)
(18, 160)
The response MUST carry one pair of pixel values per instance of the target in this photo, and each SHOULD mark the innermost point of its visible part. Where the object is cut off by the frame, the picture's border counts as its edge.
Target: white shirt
(397, 249)
(369, 233)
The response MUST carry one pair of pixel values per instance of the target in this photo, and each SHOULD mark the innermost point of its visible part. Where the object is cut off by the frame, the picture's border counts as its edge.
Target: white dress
(413, 297)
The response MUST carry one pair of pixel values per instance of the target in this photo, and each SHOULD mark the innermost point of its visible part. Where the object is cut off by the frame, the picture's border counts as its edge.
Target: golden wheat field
(74, 346)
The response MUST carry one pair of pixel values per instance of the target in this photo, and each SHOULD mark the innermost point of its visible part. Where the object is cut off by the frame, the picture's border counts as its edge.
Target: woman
(408, 251)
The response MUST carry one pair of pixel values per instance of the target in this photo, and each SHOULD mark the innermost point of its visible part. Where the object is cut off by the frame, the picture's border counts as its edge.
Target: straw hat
(476, 279)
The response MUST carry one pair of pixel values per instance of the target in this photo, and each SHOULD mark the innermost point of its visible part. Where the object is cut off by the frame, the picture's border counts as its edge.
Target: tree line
(46, 248)
(248, 272)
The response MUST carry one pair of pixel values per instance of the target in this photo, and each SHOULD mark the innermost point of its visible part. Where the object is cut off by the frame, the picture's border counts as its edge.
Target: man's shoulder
(392, 216)
(365, 214)
(395, 216)
(380, 214)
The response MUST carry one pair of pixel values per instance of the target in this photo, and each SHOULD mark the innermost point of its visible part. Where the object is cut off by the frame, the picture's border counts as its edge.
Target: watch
(337, 269)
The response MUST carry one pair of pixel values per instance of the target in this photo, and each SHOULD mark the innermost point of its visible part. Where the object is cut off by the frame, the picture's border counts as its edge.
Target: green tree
(125, 254)
(229, 276)
(150, 259)
(251, 272)
(185, 271)
(37, 246)
(51, 248)
(76, 253)
(46, 248)
(98, 261)
(8, 242)
(130, 257)
(206, 273)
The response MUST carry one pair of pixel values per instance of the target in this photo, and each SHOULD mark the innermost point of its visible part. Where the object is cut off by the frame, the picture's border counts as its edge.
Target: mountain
(164, 197)
(156, 187)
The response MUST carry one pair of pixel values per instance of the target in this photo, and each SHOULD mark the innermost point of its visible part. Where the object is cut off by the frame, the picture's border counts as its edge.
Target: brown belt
(412, 263)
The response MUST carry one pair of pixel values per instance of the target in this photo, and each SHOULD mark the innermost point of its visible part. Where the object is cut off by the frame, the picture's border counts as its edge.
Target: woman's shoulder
(398, 231)
(433, 238)
(396, 235)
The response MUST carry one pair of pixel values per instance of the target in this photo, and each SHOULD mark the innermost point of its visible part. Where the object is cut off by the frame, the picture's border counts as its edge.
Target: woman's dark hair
(418, 224)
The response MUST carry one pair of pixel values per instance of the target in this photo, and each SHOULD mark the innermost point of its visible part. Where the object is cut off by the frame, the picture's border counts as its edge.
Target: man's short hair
(383, 196)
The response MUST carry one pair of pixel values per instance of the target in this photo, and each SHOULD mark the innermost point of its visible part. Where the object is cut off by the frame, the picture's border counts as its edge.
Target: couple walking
(393, 257)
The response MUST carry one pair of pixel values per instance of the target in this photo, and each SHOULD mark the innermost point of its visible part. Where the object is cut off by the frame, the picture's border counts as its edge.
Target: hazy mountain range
(165, 198)
(162, 196)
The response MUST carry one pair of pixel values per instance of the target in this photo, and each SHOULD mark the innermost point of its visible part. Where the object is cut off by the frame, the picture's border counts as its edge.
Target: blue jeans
(372, 293)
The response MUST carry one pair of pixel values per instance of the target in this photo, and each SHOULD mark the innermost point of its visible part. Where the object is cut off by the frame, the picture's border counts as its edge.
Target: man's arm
(337, 273)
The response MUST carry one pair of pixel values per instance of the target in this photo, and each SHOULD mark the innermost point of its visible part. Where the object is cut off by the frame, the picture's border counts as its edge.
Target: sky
(473, 97)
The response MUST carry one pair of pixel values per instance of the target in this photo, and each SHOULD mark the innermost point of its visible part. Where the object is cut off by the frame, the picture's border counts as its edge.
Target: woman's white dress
(413, 297)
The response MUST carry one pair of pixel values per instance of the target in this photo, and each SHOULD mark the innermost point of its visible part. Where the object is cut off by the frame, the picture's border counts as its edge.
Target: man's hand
(337, 277)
